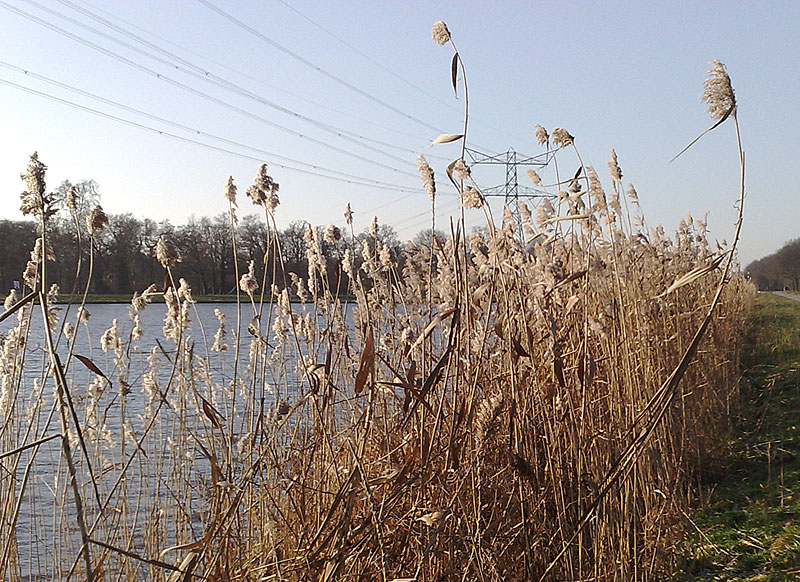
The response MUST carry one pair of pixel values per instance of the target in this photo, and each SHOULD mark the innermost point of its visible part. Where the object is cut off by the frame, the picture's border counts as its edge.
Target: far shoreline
(93, 299)
(123, 298)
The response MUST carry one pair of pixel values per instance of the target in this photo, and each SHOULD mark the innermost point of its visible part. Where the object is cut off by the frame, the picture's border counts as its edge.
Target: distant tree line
(123, 253)
(780, 270)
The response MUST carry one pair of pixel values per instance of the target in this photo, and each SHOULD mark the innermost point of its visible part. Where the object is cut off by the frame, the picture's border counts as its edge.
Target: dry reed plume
(500, 408)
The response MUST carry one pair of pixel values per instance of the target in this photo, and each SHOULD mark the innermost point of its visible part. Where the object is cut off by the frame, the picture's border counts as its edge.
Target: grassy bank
(751, 520)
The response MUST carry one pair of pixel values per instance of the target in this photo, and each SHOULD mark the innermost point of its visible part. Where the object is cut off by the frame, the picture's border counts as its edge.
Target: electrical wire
(197, 92)
(451, 204)
(354, 180)
(187, 128)
(262, 82)
(135, 124)
(350, 179)
(316, 67)
(366, 56)
(313, 66)
(206, 76)
(391, 72)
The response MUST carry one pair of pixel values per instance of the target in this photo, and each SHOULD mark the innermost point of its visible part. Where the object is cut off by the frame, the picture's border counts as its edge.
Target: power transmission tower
(511, 190)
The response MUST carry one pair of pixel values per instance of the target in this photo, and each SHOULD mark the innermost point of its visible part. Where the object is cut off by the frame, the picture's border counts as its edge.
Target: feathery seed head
(40, 251)
(52, 294)
(230, 191)
(256, 195)
(34, 199)
(542, 137)
(366, 251)
(184, 291)
(219, 336)
(595, 187)
(440, 33)
(139, 302)
(71, 199)
(166, 253)
(562, 138)
(172, 323)
(308, 234)
(265, 190)
(263, 179)
(385, 257)
(110, 339)
(524, 211)
(537, 181)
(248, 283)
(428, 180)
(30, 275)
(332, 233)
(11, 299)
(96, 220)
(347, 263)
(471, 198)
(508, 217)
(138, 329)
(613, 166)
(348, 215)
(461, 170)
(544, 212)
(718, 91)
(373, 227)
(83, 315)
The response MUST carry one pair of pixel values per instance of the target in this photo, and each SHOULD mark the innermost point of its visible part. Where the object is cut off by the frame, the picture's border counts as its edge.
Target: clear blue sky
(615, 74)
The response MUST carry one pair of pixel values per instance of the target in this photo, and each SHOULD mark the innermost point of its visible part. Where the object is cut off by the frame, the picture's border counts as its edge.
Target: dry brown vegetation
(499, 410)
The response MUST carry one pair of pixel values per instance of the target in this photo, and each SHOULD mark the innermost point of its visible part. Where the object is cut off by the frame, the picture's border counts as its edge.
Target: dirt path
(795, 296)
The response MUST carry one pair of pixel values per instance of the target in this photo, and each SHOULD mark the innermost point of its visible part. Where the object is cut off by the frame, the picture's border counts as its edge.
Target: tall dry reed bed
(495, 410)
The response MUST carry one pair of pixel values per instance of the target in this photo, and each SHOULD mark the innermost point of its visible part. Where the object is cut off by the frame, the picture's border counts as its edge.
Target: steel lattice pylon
(511, 190)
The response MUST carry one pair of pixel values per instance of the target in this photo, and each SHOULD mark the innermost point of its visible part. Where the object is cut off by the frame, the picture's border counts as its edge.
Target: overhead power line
(391, 72)
(365, 55)
(342, 176)
(338, 177)
(189, 129)
(315, 67)
(205, 76)
(355, 181)
(199, 93)
(259, 81)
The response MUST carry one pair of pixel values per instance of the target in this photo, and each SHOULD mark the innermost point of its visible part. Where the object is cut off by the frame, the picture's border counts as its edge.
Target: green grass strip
(749, 520)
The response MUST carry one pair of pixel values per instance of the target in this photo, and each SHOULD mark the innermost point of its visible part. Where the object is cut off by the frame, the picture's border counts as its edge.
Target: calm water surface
(40, 509)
